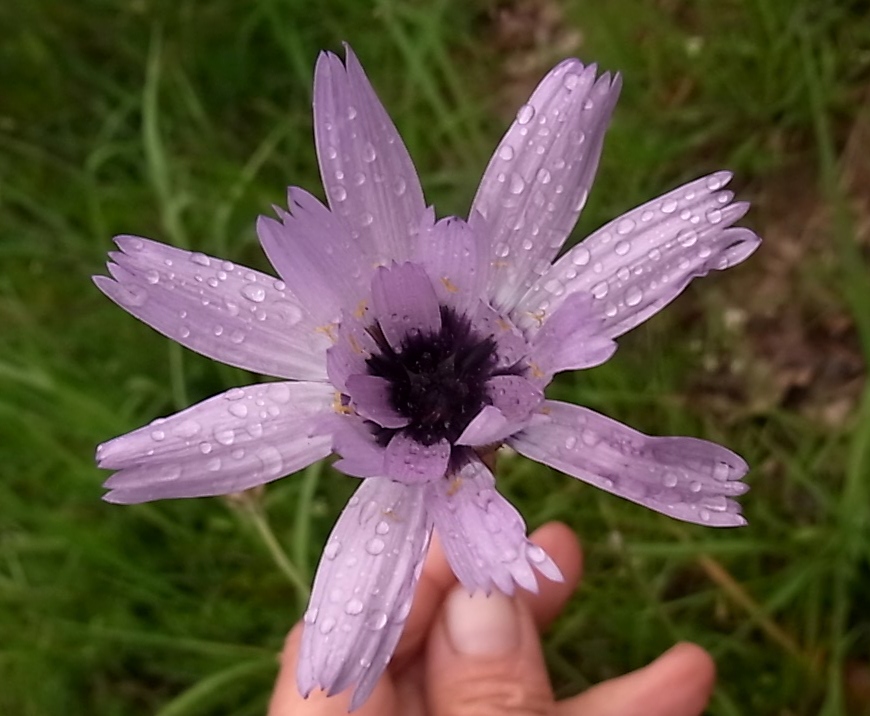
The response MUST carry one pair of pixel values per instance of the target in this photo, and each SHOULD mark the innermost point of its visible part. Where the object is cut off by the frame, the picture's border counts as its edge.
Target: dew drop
(695, 486)
(624, 226)
(721, 471)
(570, 81)
(158, 435)
(369, 154)
(506, 152)
(382, 527)
(310, 615)
(368, 511)
(214, 464)
(376, 621)
(633, 296)
(134, 296)
(271, 460)
(225, 436)
(536, 554)
(517, 184)
(255, 293)
(237, 336)
(200, 259)
(669, 206)
(622, 248)
(670, 479)
(525, 114)
(599, 290)
(205, 448)
(240, 410)
(375, 546)
(339, 193)
(332, 550)
(353, 607)
(327, 625)
(580, 256)
(714, 216)
(543, 176)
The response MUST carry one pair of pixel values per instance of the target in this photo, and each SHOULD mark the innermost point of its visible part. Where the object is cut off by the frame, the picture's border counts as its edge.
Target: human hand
(469, 656)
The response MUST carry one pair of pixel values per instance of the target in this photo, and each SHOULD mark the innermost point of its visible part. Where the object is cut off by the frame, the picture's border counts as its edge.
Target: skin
(430, 677)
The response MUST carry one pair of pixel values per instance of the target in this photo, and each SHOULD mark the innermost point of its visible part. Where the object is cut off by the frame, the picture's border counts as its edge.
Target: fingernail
(478, 625)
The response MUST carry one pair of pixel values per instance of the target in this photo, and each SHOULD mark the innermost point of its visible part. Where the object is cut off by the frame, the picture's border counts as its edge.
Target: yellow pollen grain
(538, 316)
(354, 344)
(455, 484)
(536, 372)
(361, 309)
(338, 407)
(503, 324)
(330, 330)
(449, 285)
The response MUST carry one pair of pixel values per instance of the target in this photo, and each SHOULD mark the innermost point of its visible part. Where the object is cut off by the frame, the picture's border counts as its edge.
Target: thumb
(484, 657)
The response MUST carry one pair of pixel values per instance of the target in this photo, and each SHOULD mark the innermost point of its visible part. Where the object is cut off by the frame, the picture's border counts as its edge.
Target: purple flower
(414, 348)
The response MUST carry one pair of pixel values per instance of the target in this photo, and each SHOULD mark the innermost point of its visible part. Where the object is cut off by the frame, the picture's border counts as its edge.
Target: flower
(414, 347)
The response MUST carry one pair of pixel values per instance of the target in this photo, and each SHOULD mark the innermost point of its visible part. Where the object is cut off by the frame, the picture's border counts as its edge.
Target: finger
(484, 656)
(287, 701)
(678, 683)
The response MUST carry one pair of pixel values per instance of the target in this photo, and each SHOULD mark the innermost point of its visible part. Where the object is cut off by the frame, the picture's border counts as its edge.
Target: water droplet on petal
(633, 296)
(225, 436)
(332, 549)
(622, 248)
(271, 460)
(255, 293)
(580, 256)
(536, 554)
(200, 259)
(714, 216)
(517, 184)
(375, 546)
(670, 479)
(369, 154)
(525, 114)
(327, 625)
(339, 193)
(624, 226)
(376, 620)
(506, 152)
(353, 607)
(310, 615)
(382, 527)
(599, 290)
(134, 296)
(240, 410)
(721, 471)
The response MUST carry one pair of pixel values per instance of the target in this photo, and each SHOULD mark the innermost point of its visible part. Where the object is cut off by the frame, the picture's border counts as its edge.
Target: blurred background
(184, 120)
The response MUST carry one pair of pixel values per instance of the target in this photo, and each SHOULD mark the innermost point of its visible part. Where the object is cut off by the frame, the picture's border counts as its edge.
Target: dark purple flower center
(437, 380)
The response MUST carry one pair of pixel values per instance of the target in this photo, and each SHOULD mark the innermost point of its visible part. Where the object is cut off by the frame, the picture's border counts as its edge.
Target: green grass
(183, 121)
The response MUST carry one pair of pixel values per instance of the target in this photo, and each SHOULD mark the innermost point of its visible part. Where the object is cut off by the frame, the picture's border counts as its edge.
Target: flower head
(414, 347)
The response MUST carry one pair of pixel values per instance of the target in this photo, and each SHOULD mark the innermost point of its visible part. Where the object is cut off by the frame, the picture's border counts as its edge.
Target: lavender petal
(514, 396)
(230, 313)
(686, 478)
(370, 397)
(231, 442)
(457, 263)
(483, 535)
(363, 589)
(315, 254)
(404, 302)
(570, 339)
(367, 172)
(555, 141)
(361, 456)
(354, 346)
(409, 461)
(643, 260)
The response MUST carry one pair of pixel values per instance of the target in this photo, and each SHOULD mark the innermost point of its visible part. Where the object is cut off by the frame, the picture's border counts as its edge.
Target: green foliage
(182, 121)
